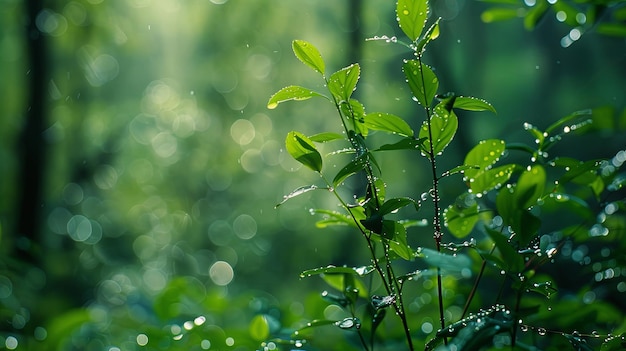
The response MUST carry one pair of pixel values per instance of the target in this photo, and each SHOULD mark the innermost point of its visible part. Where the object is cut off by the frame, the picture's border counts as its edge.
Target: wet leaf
(431, 34)
(472, 104)
(380, 302)
(292, 92)
(324, 137)
(349, 323)
(297, 192)
(614, 343)
(355, 112)
(443, 126)
(448, 263)
(461, 216)
(475, 331)
(343, 82)
(335, 299)
(394, 234)
(523, 223)
(394, 204)
(314, 324)
(309, 55)
(404, 144)
(530, 186)
(422, 81)
(388, 123)
(459, 169)
(338, 282)
(512, 260)
(491, 179)
(303, 150)
(412, 15)
(353, 167)
(360, 271)
(336, 218)
(483, 156)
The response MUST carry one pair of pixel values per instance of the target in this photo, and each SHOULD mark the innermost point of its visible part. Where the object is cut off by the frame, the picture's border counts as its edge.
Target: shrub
(506, 264)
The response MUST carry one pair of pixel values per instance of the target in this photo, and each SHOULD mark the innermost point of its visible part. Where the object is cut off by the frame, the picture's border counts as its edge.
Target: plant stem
(435, 195)
(475, 287)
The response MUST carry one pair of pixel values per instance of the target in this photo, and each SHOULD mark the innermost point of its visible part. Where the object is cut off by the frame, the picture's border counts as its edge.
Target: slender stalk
(476, 282)
(435, 195)
(389, 280)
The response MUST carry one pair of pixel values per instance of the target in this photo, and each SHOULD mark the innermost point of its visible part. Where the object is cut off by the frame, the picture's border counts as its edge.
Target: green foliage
(506, 206)
(156, 230)
(603, 17)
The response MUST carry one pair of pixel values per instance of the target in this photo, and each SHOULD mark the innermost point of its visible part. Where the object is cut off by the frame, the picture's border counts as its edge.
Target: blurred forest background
(141, 167)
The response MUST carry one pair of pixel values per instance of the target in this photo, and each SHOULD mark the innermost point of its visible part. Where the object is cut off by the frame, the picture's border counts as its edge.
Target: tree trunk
(31, 141)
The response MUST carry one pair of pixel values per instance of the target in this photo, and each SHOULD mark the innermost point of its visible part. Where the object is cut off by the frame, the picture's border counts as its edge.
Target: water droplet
(542, 331)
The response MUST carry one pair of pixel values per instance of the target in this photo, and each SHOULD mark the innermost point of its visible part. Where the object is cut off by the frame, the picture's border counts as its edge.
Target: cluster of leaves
(604, 17)
(508, 206)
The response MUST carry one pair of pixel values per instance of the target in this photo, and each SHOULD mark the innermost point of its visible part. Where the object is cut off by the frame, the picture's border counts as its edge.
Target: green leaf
(490, 179)
(474, 332)
(297, 192)
(569, 204)
(360, 271)
(312, 324)
(398, 244)
(443, 125)
(324, 137)
(461, 216)
(530, 186)
(340, 281)
(412, 15)
(343, 82)
(509, 204)
(431, 34)
(472, 104)
(513, 261)
(483, 155)
(458, 169)
(394, 204)
(561, 123)
(292, 92)
(614, 343)
(448, 263)
(355, 166)
(404, 144)
(303, 150)
(335, 218)
(355, 112)
(423, 88)
(259, 328)
(388, 123)
(309, 55)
